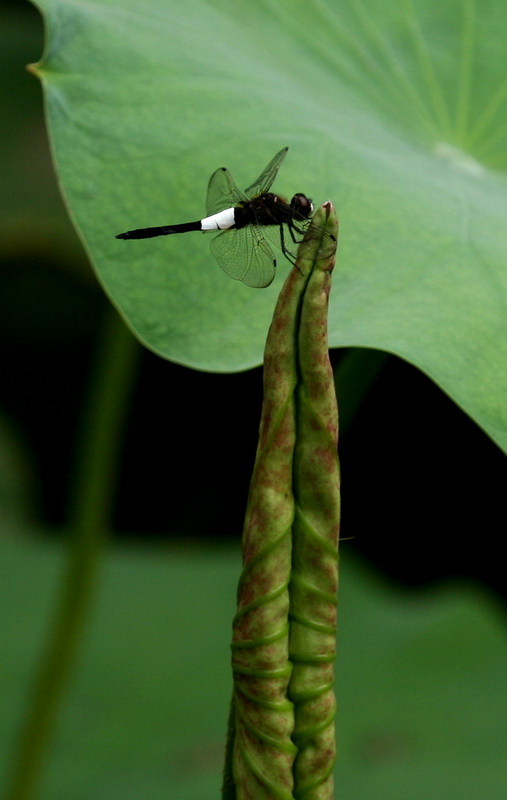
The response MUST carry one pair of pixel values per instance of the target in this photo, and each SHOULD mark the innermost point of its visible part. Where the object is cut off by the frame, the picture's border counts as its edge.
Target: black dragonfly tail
(164, 230)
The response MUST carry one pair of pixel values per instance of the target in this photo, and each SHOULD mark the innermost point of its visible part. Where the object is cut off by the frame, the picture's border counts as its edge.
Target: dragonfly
(249, 222)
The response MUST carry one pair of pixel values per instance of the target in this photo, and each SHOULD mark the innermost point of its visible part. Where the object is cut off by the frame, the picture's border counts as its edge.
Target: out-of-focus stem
(89, 524)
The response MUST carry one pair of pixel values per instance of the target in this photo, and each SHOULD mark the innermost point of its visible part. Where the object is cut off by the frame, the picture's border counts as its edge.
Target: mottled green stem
(314, 582)
(263, 751)
(266, 729)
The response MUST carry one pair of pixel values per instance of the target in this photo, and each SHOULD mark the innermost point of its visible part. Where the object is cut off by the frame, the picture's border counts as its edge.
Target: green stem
(97, 457)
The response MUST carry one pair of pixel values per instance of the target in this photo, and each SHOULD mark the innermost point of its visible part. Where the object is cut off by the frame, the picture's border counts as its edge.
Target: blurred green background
(423, 657)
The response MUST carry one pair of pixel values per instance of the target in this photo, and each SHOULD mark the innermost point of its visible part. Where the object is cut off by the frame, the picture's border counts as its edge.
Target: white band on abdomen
(219, 222)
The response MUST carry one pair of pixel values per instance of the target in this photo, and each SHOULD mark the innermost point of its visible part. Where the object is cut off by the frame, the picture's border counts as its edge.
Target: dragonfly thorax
(271, 209)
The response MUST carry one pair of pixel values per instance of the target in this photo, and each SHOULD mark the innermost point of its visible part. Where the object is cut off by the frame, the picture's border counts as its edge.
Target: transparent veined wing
(245, 255)
(222, 192)
(267, 177)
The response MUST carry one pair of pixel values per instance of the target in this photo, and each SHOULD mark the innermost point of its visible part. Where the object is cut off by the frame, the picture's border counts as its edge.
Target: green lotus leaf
(395, 111)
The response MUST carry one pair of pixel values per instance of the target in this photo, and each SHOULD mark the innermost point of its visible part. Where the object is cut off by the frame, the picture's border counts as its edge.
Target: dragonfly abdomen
(164, 230)
(221, 221)
(217, 222)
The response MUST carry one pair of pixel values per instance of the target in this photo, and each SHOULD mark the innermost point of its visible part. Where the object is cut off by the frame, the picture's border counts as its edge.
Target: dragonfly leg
(309, 226)
(292, 227)
(287, 253)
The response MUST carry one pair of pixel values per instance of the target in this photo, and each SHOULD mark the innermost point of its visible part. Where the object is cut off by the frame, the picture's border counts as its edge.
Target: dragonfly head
(302, 206)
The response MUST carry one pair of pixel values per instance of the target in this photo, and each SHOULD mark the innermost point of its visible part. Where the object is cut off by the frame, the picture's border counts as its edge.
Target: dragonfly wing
(245, 255)
(222, 192)
(266, 178)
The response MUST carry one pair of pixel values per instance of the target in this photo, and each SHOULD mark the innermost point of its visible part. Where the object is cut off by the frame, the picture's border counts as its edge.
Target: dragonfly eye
(302, 205)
